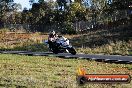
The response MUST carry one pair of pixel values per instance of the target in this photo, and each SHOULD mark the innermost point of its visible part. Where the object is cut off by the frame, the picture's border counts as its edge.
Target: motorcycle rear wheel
(55, 51)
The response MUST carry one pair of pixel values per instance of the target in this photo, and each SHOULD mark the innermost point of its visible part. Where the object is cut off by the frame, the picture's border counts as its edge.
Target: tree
(119, 8)
(62, 4)
(31, 2)
(41, 1)
(16, 7)
(78, 1)
(5, 9)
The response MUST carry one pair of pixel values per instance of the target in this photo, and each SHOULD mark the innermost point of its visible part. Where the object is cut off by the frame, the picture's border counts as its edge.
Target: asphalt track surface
(101, 58)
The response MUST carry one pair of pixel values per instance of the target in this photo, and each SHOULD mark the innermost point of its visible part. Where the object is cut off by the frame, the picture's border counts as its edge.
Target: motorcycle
(61, 45)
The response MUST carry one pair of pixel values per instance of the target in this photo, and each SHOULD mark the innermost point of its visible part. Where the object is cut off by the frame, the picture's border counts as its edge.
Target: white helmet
(53, 32)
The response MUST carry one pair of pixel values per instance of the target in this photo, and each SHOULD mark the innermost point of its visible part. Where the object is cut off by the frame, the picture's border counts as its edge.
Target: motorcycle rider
(59, 44)
(52, 39)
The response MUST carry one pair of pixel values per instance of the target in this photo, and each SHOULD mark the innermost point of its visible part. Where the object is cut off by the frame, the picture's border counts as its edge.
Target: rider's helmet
(52, 32)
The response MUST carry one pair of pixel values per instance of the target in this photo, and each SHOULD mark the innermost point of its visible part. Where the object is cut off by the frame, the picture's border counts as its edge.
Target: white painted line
(52, 55)
(93, 58)
(67, 56)
(5, 52)
(128, 62)
(81, 57)
(106, 59)
(37, 54)
(23, 53)
(81, 53)
(118, 60)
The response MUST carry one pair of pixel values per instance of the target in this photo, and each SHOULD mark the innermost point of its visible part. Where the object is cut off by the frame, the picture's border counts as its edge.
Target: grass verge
(17, 71)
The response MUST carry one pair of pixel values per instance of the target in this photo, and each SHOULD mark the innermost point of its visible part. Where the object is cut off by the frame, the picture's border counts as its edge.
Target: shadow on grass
(33, 47)
(12, 86)
(95, 38)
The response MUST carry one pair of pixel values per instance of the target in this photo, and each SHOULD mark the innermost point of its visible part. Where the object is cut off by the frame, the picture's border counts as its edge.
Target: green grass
(17, 71)
(130, 52)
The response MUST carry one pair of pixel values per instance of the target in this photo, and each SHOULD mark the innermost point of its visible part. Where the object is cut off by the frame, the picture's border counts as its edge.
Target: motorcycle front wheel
(72, 51)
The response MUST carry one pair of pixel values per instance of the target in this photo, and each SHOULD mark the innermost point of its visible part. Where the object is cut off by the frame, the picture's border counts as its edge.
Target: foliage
(48, 15)
(33, 47)
(67, 28)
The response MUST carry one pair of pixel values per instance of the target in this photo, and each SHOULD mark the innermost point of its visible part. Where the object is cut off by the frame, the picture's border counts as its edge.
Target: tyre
(72, 51)
(54, 48)
(55, 51)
